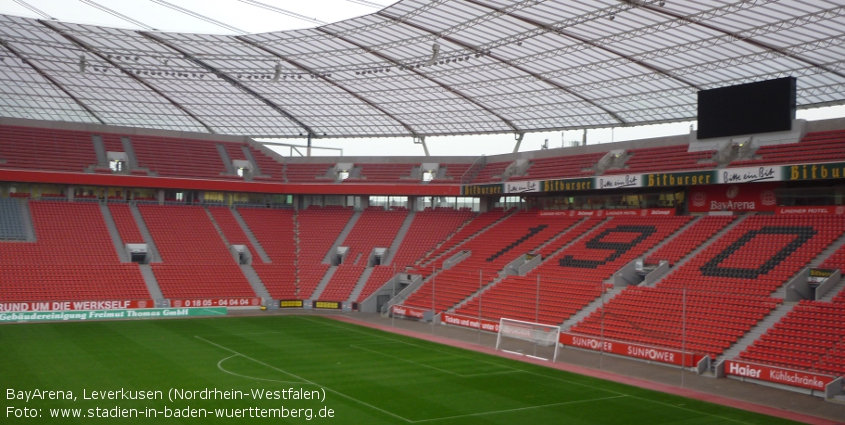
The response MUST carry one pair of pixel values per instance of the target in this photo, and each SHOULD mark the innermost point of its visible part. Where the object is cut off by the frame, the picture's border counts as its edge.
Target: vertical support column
(519, 137)
(309, 146)
(421, 141)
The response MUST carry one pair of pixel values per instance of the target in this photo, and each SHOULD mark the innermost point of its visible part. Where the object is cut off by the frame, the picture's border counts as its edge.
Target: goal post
(535, 340)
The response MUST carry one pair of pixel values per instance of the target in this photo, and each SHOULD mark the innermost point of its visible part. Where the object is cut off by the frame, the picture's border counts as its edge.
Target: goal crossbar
(531, 339)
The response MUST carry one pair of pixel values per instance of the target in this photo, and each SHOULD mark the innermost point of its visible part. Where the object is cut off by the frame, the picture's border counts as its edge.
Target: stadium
(173, 249)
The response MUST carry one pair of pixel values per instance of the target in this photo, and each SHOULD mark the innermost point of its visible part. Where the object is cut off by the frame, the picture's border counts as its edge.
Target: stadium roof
(427, 68)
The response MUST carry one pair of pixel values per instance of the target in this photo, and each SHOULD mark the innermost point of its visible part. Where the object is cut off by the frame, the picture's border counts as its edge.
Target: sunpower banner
(469, 322)
(661, 355)
(216, 302)
(75, 305)
(812, 381)
(81, 315)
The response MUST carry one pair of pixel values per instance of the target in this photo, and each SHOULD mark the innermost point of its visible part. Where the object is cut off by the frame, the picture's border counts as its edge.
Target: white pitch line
(522, 370)
(304, 380)
(407, 360)
(220, 366)
(519, 409)
(461, 375)
(691, 410)
(467, 357)
(414, 345)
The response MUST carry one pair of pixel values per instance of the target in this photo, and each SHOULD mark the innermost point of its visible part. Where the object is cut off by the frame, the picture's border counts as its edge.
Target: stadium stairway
(780, 292)
(589, 308)
(318, 291)
(449, 247)
(262, 254)
(342, 237)
(256, 283)
(249, 272)
(26, 216)
(155, 257)
(394, 247)
(833, 292)
(671, 237)
(579, 229)
(828, 252)
(752, 335)
(115, 236)
(477, 294)
(701, 247)
(152, 283)
(362, 282)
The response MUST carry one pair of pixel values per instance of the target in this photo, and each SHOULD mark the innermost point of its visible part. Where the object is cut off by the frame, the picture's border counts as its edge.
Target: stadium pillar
(421, 141)
(519, 137)
(308, 154)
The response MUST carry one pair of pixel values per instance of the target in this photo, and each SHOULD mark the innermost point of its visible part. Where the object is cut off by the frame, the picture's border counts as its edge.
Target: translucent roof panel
(428, 67)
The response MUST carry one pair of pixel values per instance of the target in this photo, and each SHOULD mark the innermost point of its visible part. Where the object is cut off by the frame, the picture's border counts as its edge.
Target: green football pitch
(299, 369)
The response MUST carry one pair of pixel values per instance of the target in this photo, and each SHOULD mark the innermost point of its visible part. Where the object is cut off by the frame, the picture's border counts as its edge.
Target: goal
(536, 340)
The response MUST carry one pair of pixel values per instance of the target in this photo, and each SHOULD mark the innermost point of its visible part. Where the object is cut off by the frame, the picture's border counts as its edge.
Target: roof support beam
(105, 58)
(446, 87)
(510, 64)
(748, 40)
(51, 80)
(240, 86)
(562, 33)
(327, 80)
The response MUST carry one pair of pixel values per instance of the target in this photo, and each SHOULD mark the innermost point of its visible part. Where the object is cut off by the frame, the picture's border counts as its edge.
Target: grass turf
(368, 376)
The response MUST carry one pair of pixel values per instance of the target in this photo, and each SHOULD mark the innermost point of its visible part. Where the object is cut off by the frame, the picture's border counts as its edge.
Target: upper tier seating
(175, 157)
(307, 173)
(375, 228)
(112, 142)
(73, 259)
(72, 150)
(127, 228)
(453, 174)
(46, 149)
(430, 227)
(822, 146)
(561, 166)
(665, 158)
(271, 169)
(384, 173)
(725, 290)
(491, 250)
(492, 172)
(318, 229)
(11, 222)
(690, 239)
(195, 261)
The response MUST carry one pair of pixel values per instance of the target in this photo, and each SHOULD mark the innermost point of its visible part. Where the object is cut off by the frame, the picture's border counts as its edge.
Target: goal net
(530, 339)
